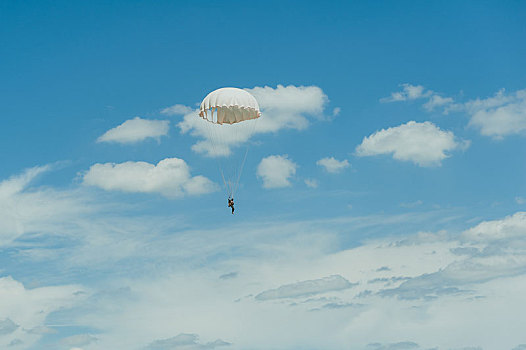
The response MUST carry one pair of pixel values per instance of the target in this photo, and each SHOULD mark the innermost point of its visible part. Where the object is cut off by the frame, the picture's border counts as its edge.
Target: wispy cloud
(409, 92)
(437, 101)
(306, 288)
(412, 204)
(26, 210)
(78, 340)
(416, 92)
(28, 308)
(406, 345)
(311, 183)
(185, 342)
(500, 115)
(488, 246)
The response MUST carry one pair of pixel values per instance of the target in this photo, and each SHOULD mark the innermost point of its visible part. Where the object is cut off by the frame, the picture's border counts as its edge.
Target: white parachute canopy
(231, 114)
(231, 105)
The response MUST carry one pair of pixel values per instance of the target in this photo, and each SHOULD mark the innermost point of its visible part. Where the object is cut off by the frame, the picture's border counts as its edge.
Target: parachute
(231, 116)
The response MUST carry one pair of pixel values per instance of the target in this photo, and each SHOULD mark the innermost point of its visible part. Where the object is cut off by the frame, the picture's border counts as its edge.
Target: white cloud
(306, 288)
(135, 130)
(283, 107)
(170, 177)
(409, 92)
(276, 171)
(421, 143)
(509, 227)
(333, 165)
(293, 99)
(520, 200)
(500, 115)
(311, 183)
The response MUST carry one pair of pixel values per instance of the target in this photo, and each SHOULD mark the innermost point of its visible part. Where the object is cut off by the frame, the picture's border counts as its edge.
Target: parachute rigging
(231, 116)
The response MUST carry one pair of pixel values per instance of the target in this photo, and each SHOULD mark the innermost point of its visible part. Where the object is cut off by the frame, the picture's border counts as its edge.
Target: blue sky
(383, 196)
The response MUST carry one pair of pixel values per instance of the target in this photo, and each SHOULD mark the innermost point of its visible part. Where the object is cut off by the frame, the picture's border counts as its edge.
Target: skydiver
(231, 203)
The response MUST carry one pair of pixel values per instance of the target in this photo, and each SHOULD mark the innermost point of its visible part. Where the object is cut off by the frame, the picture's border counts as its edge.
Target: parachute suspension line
(225, 166)
(245, 156)
(216, 144)
(240, 172)
(235, 131)
(223, 176)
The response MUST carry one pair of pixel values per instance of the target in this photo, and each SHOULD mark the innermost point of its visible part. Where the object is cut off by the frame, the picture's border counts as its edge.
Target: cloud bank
(459, 281)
